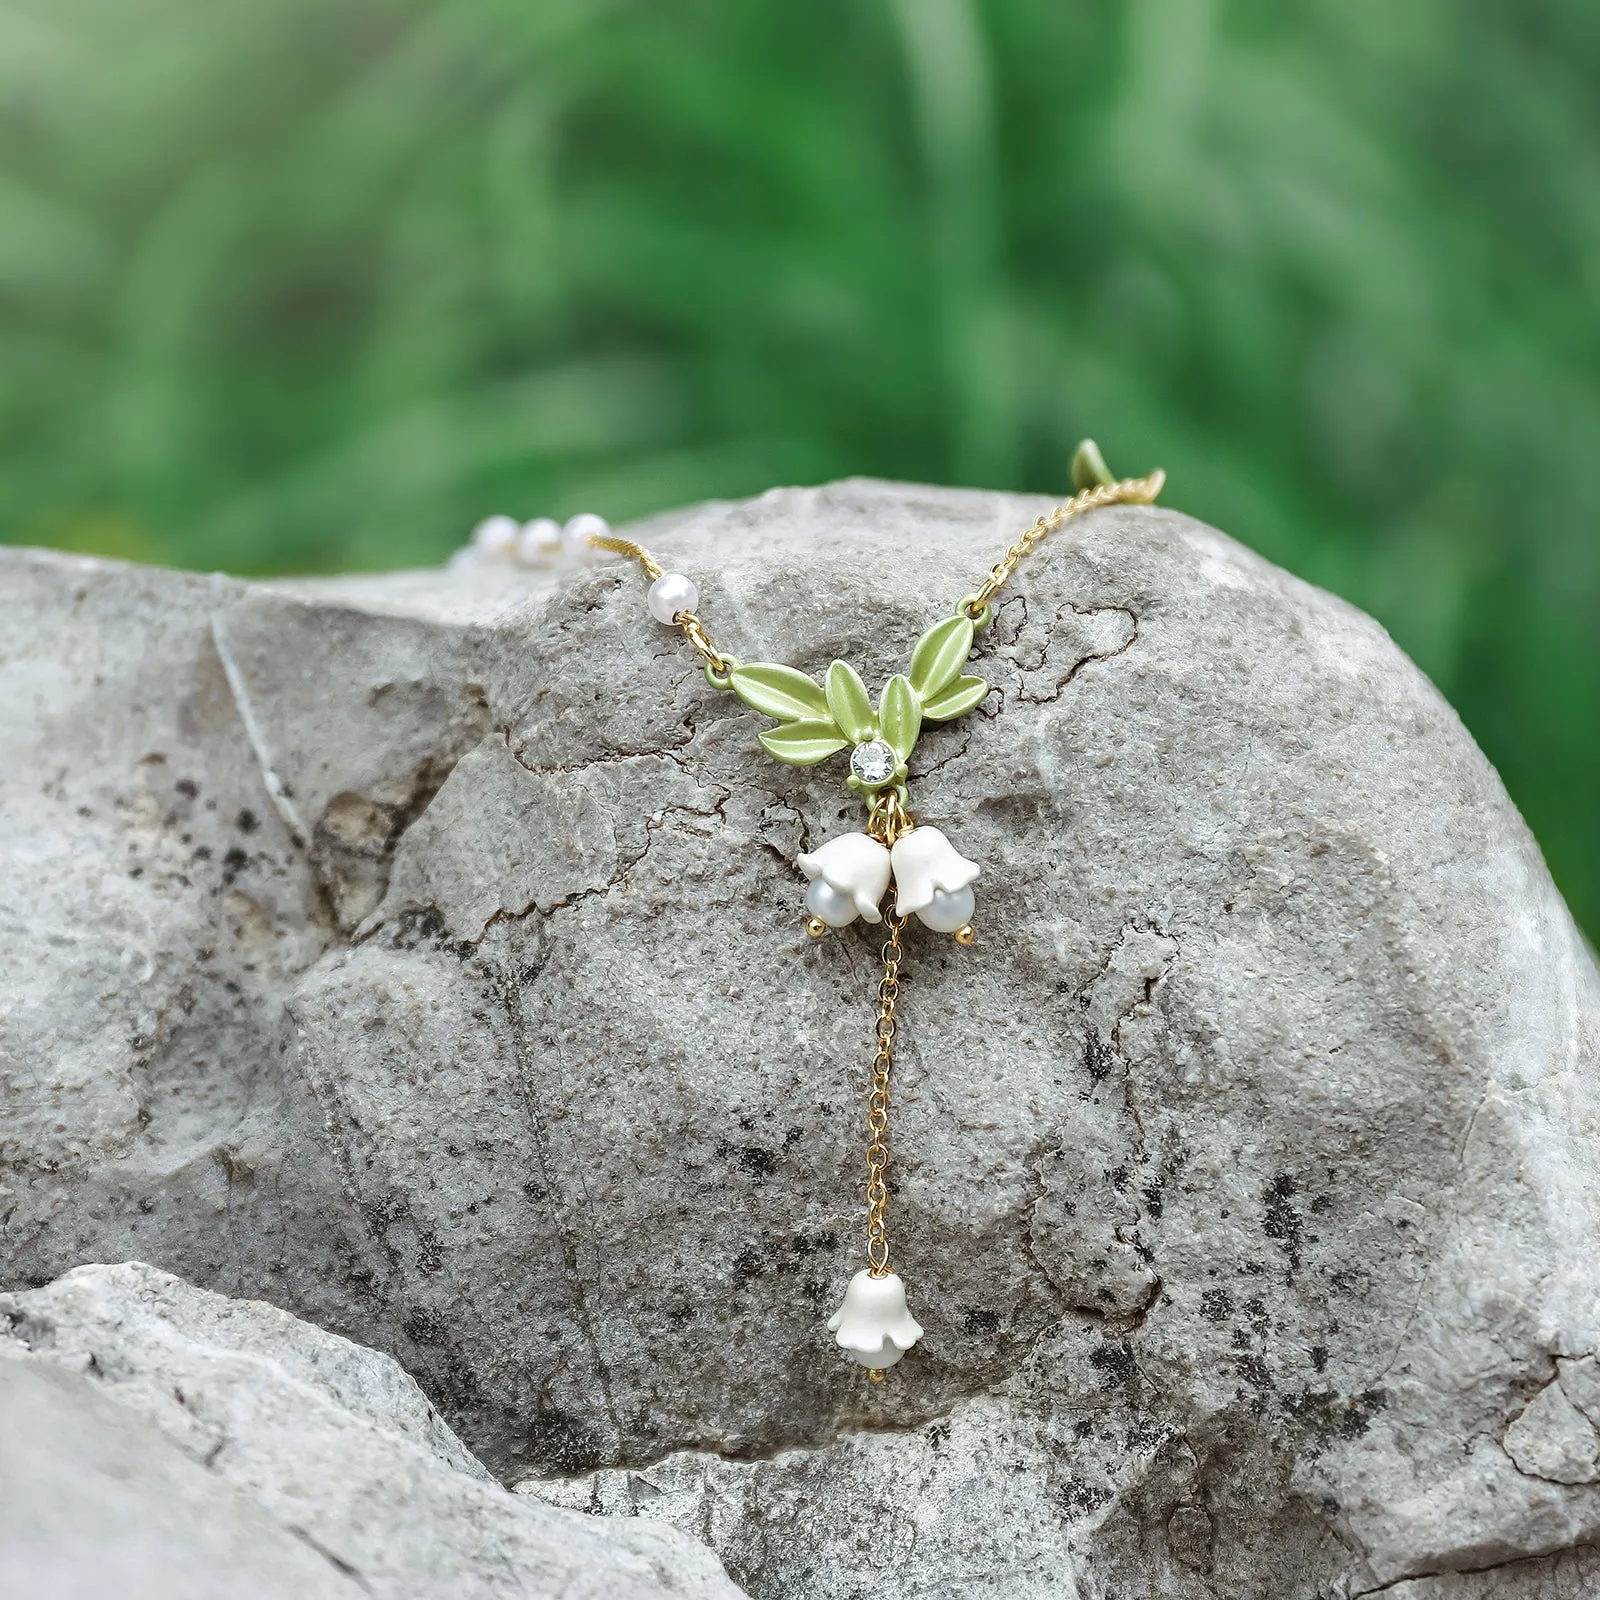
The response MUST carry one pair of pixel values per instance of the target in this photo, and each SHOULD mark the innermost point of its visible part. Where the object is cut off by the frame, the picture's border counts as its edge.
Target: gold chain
(1127, 491)
(878, 1101)
(696, 634)
(626, 547)
(693, 629)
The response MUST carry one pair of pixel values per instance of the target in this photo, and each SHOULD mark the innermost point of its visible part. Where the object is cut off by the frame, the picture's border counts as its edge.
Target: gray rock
(1570, 1575)
(94, 1502)
(1553, 1439)
(162, 1440)
(1246, 1179)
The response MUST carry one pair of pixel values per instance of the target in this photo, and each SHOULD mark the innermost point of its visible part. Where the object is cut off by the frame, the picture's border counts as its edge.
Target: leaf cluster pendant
(849, 876)
(817, 720)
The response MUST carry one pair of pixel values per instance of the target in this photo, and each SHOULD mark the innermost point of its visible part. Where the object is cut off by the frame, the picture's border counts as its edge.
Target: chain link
(878, 1100)
(889, 818)
(1128, 491)
(717, 665)
(694, 631)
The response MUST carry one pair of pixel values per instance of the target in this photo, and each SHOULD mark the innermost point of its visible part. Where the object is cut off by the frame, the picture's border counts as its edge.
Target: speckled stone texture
(425, 955)
(163, 1442)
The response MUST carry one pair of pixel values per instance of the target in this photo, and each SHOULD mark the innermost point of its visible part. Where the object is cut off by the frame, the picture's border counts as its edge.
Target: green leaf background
(292, 285)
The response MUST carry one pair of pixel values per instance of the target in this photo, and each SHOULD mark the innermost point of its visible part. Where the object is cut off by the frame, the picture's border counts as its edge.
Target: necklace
(849, 875)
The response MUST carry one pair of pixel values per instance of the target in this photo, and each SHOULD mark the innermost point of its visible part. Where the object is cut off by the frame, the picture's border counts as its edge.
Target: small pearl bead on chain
(541, 544)
(495, 539)
(670, 594)
(575, 536)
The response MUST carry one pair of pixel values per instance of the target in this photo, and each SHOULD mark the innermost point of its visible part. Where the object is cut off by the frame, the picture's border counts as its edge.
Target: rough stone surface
(427, 958)
(161, 1440)
(93, 1502)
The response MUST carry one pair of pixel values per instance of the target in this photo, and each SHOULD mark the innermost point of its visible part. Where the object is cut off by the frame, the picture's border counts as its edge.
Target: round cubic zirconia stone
(873, 762)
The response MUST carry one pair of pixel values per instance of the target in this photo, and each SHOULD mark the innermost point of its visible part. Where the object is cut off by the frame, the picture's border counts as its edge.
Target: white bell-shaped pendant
(932, 880)
(848, 877)
(873, 1324)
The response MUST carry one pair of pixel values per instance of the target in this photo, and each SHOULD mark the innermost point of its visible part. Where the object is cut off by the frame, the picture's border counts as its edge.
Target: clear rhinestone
(873, 762)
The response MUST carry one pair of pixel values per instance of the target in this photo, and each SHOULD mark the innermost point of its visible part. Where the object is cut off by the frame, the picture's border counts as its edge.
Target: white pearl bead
(948, 910)
(829, 905)
(496, 538)
(670, 594)
(575, 536)
(464, 558)
(539, 543)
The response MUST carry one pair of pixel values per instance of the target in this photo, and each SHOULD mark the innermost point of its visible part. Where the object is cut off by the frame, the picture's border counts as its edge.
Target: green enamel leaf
(900, 715)
(939, 656)
(1089, 469)
(850, 703)
(802, 744)
(957, 700)
(780, 692)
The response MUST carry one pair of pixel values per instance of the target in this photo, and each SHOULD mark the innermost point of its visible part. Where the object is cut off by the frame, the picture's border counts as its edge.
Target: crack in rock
(277, 789)
(502, 839)
(1569, 1573)
(1084, 1228)
(1081, 633)
(1554, 1436)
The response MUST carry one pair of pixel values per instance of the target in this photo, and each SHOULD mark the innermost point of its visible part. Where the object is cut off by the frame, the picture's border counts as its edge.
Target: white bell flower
(848, 876)
(873, 1324)
(932, 880)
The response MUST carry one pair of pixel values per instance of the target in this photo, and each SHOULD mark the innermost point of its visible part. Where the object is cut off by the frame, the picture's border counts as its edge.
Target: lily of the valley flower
(873, 1324)
(848, 876)
(932, 880)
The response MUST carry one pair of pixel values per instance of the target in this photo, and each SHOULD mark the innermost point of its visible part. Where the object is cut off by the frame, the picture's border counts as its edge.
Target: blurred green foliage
(309, 284)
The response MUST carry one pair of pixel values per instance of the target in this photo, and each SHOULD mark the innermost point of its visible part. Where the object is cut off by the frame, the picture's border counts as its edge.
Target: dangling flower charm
(873, 1324)
(932, 880)
(848, 877)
